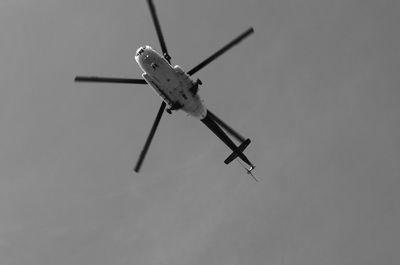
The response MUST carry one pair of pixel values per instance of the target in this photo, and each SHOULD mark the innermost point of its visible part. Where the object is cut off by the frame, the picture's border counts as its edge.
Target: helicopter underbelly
(174, 88)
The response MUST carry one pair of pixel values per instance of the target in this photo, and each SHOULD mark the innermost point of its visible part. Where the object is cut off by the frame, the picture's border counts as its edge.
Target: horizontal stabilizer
(234, 155)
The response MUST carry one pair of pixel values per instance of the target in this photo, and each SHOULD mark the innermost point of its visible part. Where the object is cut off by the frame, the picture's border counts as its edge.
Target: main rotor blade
(221, 51)
(158, 27)
(150, 137)
(109, 80)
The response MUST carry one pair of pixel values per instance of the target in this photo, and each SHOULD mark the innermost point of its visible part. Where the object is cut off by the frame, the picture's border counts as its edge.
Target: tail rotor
(248, 170)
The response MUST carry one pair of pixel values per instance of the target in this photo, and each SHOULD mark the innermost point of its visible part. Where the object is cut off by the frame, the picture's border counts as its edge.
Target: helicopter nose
(142, 49)
(139, 51)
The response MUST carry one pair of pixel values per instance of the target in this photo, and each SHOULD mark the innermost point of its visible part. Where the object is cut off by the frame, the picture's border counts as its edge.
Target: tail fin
(234, 155)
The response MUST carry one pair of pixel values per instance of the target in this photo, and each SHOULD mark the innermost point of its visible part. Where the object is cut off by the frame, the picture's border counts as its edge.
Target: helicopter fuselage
(176, 88)
(179, 91)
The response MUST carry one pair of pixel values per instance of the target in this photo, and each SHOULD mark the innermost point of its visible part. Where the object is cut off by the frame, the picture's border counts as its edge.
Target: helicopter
(180, 92)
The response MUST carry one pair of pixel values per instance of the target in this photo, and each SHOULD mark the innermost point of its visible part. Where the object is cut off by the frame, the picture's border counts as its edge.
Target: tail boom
(237, 150)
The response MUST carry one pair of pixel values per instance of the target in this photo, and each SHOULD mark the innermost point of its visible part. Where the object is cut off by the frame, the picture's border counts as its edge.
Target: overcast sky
(316, 88)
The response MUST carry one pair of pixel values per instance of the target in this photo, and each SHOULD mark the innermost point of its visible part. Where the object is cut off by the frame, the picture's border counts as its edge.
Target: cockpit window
(140, 51)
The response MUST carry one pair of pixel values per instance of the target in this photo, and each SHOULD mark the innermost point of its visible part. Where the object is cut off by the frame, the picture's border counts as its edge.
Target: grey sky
(315, 88)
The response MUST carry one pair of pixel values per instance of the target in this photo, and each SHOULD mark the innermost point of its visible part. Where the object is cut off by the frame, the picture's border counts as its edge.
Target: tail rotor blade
(150, 137)
(99, 79)
(221, 51)
(158, 27)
